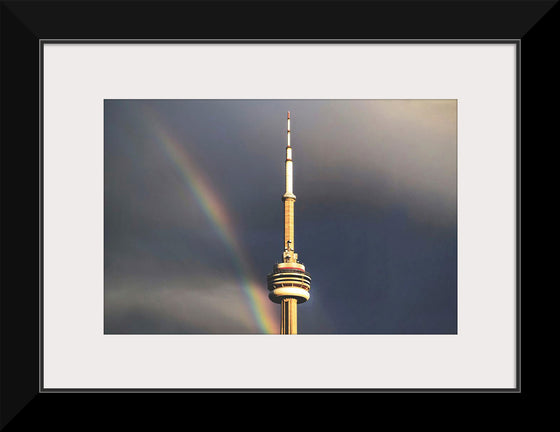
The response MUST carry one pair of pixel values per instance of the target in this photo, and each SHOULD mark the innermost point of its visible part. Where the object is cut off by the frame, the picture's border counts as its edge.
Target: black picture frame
(532, 25)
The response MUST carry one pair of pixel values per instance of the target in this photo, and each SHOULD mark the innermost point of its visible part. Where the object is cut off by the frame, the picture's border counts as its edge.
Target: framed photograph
(242, 208)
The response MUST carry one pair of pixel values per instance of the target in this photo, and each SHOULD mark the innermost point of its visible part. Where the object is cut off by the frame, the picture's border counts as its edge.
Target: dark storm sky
(375, 216)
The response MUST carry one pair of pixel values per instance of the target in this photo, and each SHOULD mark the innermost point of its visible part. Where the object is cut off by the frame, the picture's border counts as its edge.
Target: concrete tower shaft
(289, 254)
(289, 283)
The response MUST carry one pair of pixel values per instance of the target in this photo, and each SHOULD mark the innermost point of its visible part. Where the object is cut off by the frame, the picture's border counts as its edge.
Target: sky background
(193, 216)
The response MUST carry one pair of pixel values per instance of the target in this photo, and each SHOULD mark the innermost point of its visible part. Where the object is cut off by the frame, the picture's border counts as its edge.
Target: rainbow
(218, 215)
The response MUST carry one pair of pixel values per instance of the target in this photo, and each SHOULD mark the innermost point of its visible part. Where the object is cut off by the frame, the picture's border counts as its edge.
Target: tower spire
(289, 283)
(289, 200)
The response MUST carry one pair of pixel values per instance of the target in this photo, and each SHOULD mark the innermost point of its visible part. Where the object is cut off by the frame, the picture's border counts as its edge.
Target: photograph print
(280, 216)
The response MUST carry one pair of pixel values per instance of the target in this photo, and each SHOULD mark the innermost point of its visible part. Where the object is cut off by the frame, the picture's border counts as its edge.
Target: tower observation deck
(289, 283)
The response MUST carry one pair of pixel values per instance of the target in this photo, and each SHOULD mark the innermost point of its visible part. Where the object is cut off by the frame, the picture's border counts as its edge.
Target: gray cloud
(192, 304)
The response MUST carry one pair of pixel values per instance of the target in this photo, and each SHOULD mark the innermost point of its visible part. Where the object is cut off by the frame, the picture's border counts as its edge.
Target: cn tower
(289, 283)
